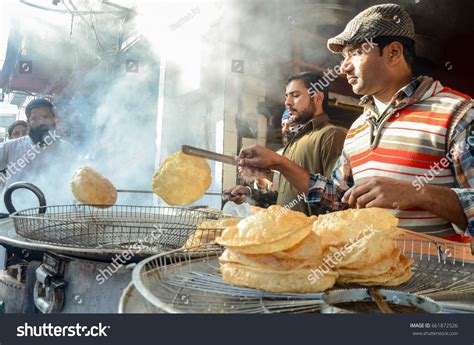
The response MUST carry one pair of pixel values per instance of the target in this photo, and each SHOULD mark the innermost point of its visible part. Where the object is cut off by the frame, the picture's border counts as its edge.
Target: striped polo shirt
(409, 142)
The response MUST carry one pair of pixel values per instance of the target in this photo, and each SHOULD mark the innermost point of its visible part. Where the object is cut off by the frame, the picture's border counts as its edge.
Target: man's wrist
(422, 198)
(280, 163)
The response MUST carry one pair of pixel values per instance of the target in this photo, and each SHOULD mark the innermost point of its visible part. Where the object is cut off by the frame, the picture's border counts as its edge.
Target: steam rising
(112, 62)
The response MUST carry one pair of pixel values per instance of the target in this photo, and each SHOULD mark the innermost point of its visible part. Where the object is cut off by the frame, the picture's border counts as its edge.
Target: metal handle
(219, 157)
(7, 198)
(48, 292)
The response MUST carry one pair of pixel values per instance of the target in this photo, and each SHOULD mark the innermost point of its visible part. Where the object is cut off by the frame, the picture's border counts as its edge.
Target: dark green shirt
(316, 148)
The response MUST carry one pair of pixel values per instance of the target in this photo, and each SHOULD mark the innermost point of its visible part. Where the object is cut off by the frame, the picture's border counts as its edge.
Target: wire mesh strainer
(147, 228)
(178, 283)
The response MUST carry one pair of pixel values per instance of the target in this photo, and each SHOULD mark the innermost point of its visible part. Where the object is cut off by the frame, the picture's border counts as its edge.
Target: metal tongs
(219, 157)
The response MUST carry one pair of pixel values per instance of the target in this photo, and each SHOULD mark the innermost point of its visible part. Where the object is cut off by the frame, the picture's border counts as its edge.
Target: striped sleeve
(462, 152)
(326, 194)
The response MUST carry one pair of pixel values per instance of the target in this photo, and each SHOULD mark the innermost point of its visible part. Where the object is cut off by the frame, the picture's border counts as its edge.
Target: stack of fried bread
(279, 250)
(207, 232)
(360, 243)
(273, 250)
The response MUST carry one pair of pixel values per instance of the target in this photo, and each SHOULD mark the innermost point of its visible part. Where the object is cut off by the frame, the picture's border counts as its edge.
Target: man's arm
(456, 204)
(444, 202)
(261, 157)
(453, 204)
(390, 193)
(462, 146)
(4, 154)
(320, 192)
(327, 194)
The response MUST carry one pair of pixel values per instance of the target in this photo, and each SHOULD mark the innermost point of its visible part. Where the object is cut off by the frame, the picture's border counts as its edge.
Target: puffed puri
(181, 179)
(90, 187)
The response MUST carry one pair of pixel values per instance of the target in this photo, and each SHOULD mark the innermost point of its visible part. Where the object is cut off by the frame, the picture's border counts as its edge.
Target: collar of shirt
(313, 124)
(403, 94)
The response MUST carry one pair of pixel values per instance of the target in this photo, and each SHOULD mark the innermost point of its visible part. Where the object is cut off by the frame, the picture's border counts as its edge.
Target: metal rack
(176, 282)
(140, 228)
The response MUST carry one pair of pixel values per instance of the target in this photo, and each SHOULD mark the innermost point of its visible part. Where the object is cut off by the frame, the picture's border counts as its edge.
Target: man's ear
(393, 53)
(318, 100)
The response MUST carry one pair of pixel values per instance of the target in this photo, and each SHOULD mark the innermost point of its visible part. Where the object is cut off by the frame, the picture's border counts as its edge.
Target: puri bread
(362, 236)
(266, 262)
(208, 230)
(271, 247)
(338, 228)
(181, 179)
(366, 251)
(398, 274)
(361, 246)
(270, 230)
(90, 187)
(255, 209)
(274, 251)
(293, 281)
(306, 254)
(309, 249)
(382, 266)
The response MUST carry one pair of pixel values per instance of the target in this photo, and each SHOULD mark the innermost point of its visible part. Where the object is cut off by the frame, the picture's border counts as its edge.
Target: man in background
(41, 157)
(314, 143)
(17, 129)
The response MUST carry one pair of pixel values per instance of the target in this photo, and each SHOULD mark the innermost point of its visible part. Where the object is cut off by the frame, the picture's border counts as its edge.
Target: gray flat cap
(376, 21)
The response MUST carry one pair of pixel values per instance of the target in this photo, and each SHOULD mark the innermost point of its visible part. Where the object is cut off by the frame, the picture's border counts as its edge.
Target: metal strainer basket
(178, 283)
(146, 228)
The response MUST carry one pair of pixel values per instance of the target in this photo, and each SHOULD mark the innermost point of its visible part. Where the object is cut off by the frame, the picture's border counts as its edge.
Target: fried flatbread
(380, 267)
(90, 187)
(304, 255)
(270, 230)
(339, 228)
(181, 179)
(398, 274)
(293, 281)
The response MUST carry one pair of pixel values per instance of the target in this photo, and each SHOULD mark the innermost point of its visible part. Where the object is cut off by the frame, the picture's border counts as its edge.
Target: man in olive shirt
(315, 143)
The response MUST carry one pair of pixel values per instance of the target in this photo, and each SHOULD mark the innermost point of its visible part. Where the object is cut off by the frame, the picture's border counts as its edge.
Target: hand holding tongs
(219, 157)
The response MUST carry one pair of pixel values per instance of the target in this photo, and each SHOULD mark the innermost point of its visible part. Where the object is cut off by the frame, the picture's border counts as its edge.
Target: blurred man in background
(41, 157)
(17, 129)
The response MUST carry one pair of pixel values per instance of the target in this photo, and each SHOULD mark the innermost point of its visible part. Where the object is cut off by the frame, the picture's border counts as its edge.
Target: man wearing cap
(314, 144)
(410, 149)
(41, 157)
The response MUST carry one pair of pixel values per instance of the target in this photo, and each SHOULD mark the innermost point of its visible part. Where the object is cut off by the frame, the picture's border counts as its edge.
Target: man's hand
(259, 157)
(237, 194)
(382, 192)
